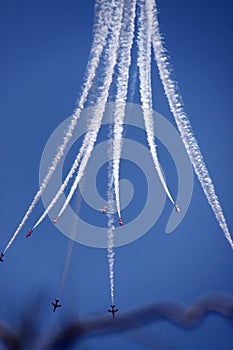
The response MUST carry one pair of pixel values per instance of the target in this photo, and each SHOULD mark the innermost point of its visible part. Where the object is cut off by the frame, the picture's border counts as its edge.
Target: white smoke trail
(64, 185)
(111, 56)
(144, 64)
(124, 60)
(182, 121)
(67, 179)
(99, 41)
(110, 231)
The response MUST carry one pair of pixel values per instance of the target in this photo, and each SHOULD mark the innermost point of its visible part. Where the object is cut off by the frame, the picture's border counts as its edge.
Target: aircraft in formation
(103, 210)
(113, 310)
(56, 220)
(56, 305)
(120, 222)
(29, 233)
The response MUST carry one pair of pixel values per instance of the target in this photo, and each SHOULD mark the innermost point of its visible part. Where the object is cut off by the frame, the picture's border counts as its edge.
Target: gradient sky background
(44, 50)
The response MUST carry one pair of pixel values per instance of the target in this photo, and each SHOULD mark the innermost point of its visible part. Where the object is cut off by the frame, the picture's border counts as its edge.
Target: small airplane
(56, 220)
(29, 233)
(1, 257)
(120, 222)
(103, 210)
(177, 209)
(56, 304)
(113, 311)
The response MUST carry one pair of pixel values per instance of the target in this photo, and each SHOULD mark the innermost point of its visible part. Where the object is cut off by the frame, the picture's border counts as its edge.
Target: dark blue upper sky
(44, 51)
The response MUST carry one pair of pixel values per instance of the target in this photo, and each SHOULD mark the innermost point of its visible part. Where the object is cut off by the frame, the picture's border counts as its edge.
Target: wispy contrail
(182, 121)
(71, 242)
(132, 83)
(144, 64)
(103, 12)
(124, 60)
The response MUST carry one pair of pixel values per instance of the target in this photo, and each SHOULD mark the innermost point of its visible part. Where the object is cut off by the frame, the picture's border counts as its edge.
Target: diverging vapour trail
(182, 121)
(111, 56)
(111, 51)
(104, 12)
(144, 64)
(87, 146)
(124, 60)
(67, 179)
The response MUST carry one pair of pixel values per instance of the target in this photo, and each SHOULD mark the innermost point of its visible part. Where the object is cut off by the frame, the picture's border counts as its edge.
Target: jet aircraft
(56, 304)
(113, 310)
(56, 220)
(1, 257)
(103, 210)
(120, 222)
(29, 233)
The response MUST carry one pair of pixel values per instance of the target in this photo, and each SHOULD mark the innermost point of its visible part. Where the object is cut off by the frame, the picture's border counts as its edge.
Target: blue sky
(44, 51)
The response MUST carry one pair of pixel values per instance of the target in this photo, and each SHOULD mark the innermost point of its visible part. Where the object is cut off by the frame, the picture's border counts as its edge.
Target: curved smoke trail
(124, 61)
(66, 181)
(103, 10)
(144, 64)
(182, 121)
(111, 54)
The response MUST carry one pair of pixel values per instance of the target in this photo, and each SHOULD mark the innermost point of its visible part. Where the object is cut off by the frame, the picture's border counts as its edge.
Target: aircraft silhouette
(113, 311)
(56, 304)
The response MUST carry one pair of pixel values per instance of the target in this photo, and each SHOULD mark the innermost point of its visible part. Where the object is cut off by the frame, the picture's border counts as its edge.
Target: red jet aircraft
(120, 222)
(29, 233)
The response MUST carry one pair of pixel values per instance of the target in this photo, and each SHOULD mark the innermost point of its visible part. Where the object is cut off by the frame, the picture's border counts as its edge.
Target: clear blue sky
(44, 50)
